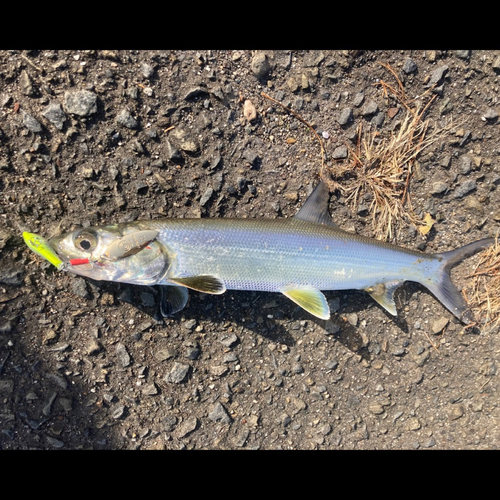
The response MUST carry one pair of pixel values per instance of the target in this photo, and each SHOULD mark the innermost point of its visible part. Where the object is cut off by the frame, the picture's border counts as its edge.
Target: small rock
(126, 119)
(465, 164)
(26, 84)
(260, 65)
(249, 111)
(463, 54)
(465, 188)
(413, 424)
(177, 374)
(122, 355)
(369, 108)
(439, 187)
(55, 115)
(490, 115)
(474, 205)
(456, 412)
(80, 102)
(437, 75)
(117, 411)
(147, 70)
(189, 324)
(186, 427)
(32, 124)
(409, 66)
(292, 84)
(439, 325)
(345, 116)
(376, 408)
(93, 347)
(496, 64)
(339, 153)
(229, 340)
(219, 414)
(172, 153)
(79, 288)
(206, 196)
(358, 99)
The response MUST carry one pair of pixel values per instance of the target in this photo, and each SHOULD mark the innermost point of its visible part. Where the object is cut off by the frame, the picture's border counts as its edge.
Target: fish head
(120, 252)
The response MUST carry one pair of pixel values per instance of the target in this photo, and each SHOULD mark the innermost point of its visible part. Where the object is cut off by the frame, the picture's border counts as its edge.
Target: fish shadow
(267, 314)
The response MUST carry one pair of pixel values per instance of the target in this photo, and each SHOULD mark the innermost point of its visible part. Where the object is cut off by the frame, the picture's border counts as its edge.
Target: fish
(300, 257)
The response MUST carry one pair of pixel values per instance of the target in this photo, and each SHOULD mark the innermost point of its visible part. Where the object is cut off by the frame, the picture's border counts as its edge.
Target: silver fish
(298, 257)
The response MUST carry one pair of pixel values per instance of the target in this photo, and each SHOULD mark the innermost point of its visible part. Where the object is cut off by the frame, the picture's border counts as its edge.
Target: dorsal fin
(315, 208)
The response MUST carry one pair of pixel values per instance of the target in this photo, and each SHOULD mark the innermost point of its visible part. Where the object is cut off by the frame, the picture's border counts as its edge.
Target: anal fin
(205, 283)
(310, 299)
(383, 293)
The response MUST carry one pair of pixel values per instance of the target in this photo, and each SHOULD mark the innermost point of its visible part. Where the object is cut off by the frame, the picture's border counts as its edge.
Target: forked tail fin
(443, 288)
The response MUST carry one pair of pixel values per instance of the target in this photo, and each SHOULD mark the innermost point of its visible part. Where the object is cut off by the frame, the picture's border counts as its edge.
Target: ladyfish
(298, 257)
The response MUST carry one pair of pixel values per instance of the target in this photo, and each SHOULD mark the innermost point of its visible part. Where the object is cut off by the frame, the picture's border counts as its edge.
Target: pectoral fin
(383, 293)
(205, 283)
(310, 299)
(172, 299)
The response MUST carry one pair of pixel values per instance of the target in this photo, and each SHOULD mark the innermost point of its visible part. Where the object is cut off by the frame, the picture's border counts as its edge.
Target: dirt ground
(92, 137)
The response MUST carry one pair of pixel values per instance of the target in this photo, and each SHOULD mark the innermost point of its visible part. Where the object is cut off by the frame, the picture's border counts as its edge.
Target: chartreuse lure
(42, 247)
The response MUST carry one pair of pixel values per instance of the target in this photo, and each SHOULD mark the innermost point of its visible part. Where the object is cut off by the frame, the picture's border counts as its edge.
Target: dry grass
(483, 293)
(379, 168)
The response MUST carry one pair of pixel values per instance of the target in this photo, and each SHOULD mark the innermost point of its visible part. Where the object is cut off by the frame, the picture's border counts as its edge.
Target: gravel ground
(91, 137)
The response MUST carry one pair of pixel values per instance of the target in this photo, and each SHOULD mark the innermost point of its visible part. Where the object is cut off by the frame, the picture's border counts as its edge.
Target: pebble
(496, 64)
(177, 374)
(147, 70)
(439, 325)
(249, 111)
(339, 153)
(463, 54)
(206, 196)
(439, 187)
(229, 340)
(186, 427)
(437, 75)
(79, 288)
(122, 355)
(80, 102)
(93, 347)
(345, 116)
(465, 188)
(219, 414)
(490, 115)
(409, 66)
(26, 84)
(126, 119)
(260, 65)
(31, 123)
(55, 115)
(465, 164)
(369, 108)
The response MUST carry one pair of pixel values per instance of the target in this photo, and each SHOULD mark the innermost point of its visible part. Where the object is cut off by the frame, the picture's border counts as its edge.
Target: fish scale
(268, 254)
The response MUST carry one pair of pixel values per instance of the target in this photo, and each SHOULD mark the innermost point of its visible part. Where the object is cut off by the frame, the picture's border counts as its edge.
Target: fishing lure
(42, 247)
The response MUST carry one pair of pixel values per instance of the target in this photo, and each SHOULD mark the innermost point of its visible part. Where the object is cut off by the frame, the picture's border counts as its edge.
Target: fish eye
(86, 241)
